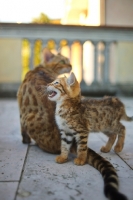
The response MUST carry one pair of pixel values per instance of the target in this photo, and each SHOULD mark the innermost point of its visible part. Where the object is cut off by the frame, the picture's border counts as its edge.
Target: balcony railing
(103, 34)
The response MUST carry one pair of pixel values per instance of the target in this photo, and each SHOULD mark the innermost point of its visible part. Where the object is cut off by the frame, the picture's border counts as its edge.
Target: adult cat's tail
(109, 174)
(126, 118)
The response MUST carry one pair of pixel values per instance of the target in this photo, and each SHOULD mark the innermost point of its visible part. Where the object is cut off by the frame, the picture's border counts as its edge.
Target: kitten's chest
(64, 118)
(62, 123)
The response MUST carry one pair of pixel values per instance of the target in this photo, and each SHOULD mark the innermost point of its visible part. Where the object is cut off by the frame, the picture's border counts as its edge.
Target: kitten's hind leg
(81, 149)
(121, 138)
(109, 144)
(82, 157)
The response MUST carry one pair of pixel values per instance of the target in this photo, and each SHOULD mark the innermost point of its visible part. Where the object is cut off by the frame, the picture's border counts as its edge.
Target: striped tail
(109, 174)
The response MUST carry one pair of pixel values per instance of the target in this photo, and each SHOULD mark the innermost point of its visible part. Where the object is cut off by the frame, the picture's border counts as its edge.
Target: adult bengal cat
(38, 122)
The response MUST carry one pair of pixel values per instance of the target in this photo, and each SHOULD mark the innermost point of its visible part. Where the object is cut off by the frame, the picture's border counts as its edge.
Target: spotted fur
(37, 115)
(76, 118)
(36, 112)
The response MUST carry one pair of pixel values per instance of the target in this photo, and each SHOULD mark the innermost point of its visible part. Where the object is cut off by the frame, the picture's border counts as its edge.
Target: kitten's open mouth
(51, 93)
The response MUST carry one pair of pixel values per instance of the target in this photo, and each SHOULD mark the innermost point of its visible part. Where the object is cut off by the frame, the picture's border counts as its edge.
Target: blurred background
(97, 36)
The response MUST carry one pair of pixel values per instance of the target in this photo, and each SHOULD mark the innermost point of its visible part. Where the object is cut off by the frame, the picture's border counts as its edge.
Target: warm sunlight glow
(24, 11)
(76, 12)
(85, 12)
(88, 62)
(94, 13)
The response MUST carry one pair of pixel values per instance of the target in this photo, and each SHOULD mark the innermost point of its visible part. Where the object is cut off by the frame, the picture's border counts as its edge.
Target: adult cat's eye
(62, 62)
(55, 83)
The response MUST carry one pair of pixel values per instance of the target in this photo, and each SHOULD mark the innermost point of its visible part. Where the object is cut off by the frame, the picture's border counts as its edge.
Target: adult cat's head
(64, 88)
(57, 62)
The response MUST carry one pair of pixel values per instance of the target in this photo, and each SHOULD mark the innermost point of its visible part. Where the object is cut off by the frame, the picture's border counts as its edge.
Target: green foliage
(42, 19)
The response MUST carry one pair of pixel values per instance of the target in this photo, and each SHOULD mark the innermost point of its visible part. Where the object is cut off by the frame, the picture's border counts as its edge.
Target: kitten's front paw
(118, 148)
(78, 161)
(104, 149)
(60, 159)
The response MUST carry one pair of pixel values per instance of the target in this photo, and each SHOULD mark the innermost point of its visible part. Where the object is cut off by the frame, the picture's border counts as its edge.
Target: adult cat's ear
(47, 55)
(71, 79)
(59, 51)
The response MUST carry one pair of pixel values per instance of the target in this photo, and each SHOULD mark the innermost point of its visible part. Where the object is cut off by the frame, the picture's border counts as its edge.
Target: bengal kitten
(76, 118)
(38, 121)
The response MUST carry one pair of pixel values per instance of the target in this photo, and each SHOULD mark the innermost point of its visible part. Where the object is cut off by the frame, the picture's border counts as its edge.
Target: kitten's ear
(71, 79)
(47, 55)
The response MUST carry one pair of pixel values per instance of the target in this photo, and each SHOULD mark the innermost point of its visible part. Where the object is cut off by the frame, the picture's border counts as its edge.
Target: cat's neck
(68, 103)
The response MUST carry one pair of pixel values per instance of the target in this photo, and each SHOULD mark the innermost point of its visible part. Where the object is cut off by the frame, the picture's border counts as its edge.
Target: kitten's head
(58, 63)
(63, 88)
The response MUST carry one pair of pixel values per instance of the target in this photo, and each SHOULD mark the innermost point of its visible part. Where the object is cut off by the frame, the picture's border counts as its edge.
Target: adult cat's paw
(60, 159)
(79, 161)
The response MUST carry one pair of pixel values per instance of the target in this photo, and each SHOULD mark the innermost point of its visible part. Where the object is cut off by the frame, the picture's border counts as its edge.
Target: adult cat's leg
(25, 137)
(110, 142)
(121, 137)
(66, 142)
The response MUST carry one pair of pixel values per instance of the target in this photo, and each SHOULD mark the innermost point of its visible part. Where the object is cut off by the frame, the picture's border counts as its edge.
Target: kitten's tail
(109, 174)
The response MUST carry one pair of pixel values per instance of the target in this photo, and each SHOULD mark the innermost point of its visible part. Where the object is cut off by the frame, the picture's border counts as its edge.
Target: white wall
(120, 13)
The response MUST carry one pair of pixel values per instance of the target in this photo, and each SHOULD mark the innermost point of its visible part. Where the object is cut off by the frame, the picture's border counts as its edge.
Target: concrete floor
(28, 173)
